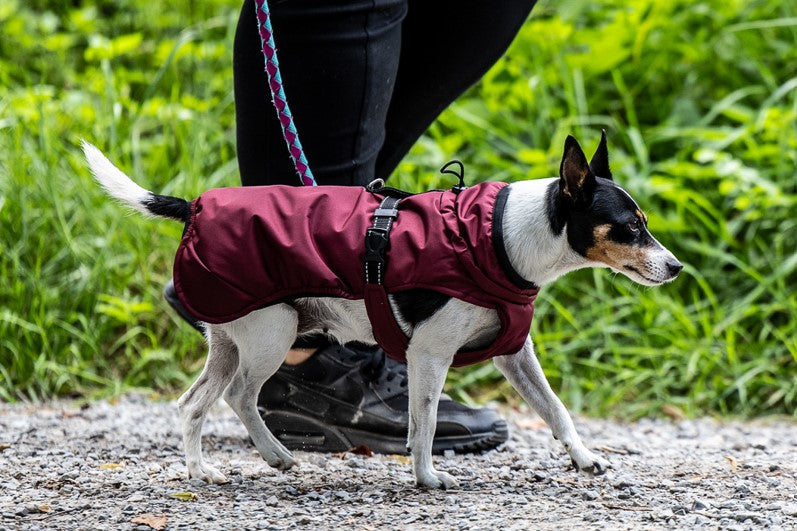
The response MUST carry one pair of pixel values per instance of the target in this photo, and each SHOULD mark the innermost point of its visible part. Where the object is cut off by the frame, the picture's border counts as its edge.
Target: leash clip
(457, 188)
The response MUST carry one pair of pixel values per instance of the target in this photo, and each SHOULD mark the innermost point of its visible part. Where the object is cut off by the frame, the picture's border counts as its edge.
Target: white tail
(115, 182)
(121, 187)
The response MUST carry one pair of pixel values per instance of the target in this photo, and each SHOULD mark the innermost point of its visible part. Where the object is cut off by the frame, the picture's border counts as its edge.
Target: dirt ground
(119, 466)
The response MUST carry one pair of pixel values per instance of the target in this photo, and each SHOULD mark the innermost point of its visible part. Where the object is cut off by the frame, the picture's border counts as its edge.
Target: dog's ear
(576, 180)
(600, 160)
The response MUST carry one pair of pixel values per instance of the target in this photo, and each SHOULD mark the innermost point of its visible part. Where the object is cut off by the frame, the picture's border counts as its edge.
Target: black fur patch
(169, 207)
(610, 205)
(600, 160)
(555, 208)
(417, 305)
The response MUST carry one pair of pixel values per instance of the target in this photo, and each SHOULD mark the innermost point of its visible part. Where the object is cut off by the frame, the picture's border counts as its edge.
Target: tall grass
(700, 102)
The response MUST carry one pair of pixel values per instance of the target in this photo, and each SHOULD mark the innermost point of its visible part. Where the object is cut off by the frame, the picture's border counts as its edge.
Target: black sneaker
(170, 294)
(346, 396)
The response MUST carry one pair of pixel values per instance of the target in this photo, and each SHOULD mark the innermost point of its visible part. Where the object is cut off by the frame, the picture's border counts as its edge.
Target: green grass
(700, 101)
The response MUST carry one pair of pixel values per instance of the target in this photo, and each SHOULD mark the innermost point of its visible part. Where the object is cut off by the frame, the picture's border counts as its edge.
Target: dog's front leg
(525, 374)
(427, 374)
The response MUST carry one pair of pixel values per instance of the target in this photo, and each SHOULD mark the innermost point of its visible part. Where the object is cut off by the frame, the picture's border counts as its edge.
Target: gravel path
(119, 466)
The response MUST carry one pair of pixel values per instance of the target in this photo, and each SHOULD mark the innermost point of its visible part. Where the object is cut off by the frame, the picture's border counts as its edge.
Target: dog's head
(603, 223)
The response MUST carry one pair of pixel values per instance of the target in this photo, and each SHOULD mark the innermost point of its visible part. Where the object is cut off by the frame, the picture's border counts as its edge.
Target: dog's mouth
(637, 272)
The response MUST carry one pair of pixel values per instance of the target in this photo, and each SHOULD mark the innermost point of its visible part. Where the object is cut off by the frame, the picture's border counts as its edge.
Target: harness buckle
(376, 243)
(386, 213)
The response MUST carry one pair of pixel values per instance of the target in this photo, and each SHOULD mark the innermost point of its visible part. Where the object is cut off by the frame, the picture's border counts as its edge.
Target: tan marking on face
(613, 254)
(641, 215)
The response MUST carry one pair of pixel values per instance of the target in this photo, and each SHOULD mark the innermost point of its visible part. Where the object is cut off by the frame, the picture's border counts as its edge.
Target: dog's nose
(674, 268)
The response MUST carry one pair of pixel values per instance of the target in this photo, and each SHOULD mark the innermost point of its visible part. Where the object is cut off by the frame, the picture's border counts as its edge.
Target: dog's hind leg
(219, 368)
(525, 374)
(263, 338)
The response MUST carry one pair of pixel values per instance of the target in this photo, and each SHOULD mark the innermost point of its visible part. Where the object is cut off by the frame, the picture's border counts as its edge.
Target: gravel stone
(663, 475)
(272, 501)
(699, 505)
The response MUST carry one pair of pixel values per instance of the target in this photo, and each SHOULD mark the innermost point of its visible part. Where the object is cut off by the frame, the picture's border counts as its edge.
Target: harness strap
(377, 240)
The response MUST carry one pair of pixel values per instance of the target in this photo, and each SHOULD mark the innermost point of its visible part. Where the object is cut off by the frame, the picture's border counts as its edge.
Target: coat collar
(499, 245)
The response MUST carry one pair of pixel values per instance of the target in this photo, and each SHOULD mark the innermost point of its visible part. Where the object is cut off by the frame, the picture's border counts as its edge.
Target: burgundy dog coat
(250, 247)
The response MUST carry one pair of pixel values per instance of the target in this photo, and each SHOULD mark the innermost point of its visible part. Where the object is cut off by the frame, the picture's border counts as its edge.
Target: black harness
(377, 241)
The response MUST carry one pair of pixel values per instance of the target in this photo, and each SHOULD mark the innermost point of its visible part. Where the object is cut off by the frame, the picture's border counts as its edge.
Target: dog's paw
(436, 480)
(281, 460)
(282, 463)
(589, 463)
(207, 473)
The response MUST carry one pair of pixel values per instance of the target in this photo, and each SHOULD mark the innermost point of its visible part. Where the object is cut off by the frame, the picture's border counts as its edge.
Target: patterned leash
(278, 95)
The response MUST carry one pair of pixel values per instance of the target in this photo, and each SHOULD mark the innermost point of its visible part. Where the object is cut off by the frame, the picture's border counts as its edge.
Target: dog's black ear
(600, 160)
(576, 180)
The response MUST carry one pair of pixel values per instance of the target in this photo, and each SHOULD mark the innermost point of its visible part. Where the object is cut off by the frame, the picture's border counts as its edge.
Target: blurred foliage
(699, 100)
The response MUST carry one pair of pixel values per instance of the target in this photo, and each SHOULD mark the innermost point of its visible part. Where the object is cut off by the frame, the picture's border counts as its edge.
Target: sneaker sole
(298, 432)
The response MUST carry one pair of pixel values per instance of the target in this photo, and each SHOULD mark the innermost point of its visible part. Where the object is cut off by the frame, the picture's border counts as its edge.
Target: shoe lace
(377, 364)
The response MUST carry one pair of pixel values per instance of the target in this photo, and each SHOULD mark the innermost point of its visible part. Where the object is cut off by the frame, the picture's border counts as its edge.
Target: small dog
(550, 227)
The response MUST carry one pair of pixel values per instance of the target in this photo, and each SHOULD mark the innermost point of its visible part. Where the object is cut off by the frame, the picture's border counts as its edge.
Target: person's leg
(447, 46)
(338, 63)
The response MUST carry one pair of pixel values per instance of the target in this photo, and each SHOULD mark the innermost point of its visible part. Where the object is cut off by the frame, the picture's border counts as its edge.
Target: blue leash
(278, 95)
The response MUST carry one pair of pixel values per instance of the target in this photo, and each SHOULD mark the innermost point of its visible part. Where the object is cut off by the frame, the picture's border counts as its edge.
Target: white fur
(537, 254)
(244, 353)
(114, 181)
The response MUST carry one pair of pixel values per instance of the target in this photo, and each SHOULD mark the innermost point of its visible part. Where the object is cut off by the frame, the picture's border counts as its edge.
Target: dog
(550, 227)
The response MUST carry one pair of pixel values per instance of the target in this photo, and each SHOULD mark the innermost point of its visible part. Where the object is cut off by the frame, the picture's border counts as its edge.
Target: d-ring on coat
(250, 247)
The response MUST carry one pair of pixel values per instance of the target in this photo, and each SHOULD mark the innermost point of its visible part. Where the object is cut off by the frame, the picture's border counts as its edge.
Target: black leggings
(364, 79)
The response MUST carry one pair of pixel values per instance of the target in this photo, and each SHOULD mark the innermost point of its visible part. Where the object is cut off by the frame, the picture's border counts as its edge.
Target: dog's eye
(634, 226)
